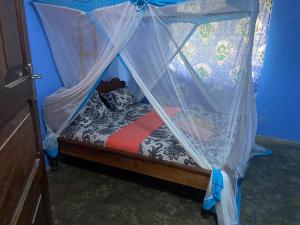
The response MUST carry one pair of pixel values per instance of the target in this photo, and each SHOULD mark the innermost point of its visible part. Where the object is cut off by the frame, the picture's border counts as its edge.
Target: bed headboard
(113, 84)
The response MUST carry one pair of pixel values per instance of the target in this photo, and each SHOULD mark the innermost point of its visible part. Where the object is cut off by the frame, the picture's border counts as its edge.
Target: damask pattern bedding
(90, 126)
(161, 144)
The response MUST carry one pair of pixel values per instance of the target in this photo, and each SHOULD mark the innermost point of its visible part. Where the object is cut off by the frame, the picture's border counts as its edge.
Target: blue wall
(278, 99)
(41, 58)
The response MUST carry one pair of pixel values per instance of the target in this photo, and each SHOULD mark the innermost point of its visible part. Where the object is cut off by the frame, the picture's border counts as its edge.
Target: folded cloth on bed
(130, 137)
(201, 128)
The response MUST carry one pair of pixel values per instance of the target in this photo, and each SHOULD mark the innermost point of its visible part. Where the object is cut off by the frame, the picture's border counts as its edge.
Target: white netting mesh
(195, 56)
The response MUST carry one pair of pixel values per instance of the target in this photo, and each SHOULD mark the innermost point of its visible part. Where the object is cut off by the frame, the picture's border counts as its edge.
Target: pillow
(95, 108)
(119, 99)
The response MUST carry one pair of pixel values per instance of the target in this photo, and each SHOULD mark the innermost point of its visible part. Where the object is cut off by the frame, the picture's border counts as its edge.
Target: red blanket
(130, 137)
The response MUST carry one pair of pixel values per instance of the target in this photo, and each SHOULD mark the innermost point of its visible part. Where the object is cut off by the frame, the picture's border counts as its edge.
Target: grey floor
(88, 194)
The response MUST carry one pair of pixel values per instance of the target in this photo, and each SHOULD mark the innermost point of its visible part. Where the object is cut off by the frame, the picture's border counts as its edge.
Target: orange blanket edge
(130, 137)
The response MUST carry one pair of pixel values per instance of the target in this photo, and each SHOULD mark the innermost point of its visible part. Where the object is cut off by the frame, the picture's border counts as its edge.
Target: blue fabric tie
(217, 186)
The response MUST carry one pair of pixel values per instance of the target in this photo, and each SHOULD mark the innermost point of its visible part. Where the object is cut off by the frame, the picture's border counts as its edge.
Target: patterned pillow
(95, 108)
(120, 99)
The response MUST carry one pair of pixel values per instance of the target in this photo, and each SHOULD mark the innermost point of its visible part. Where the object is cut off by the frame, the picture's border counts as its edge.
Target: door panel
(14, 58)
(13, 99)
(22, 170)
(24, 214)
(17, 158)
(8, 129)
(9, 23)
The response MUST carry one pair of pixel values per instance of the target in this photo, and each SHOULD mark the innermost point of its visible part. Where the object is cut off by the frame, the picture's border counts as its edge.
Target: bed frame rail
(181, 174)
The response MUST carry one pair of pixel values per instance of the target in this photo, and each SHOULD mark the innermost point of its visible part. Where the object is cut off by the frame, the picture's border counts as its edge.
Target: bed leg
(53, 164)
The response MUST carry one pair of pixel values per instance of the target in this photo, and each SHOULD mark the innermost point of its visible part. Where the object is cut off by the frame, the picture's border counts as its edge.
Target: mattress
(161, 144)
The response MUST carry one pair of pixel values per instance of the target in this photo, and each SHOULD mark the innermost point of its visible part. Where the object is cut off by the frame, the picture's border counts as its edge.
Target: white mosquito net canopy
(194, 55)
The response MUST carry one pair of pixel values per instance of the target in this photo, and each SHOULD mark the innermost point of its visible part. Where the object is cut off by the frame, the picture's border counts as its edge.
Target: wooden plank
(17, 158)
(181, 174)
(24, 211)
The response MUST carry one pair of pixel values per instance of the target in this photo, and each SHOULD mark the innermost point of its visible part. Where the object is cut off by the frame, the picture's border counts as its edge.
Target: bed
(159, 155)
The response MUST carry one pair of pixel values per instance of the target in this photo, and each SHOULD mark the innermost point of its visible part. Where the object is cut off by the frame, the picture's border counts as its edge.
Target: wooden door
(23, 181)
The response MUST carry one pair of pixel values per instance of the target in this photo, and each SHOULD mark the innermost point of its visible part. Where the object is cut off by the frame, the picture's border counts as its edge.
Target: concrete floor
(88, 194)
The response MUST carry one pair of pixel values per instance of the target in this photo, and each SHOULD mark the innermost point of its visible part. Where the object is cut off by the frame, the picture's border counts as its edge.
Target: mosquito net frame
(157, 44)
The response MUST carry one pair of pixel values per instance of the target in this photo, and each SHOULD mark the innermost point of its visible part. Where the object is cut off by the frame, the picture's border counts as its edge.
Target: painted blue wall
(278, 99)
(41, 58)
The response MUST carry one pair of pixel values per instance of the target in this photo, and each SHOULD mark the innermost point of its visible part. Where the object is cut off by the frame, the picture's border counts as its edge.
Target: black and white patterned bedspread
(161, 144)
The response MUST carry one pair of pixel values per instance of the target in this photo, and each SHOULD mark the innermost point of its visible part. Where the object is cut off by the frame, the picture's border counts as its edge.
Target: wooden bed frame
(169, 171)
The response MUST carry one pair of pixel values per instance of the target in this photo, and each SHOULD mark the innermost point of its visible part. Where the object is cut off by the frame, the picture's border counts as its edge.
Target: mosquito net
(194, 55)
